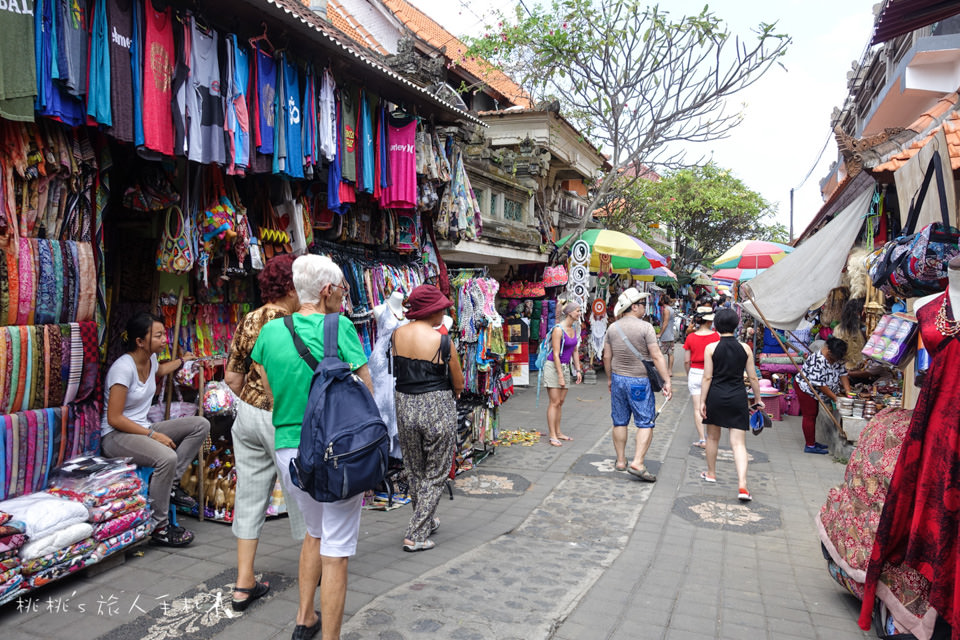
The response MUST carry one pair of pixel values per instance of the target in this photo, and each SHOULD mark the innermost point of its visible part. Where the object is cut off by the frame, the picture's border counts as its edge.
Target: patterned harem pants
(426, 427)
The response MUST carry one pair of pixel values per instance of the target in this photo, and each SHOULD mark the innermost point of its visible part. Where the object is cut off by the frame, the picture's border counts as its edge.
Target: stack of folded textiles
(12, 538)
(114, 496)
(51, 524)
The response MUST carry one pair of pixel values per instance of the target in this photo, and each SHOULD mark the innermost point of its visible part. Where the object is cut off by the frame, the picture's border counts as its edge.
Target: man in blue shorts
(628, 342)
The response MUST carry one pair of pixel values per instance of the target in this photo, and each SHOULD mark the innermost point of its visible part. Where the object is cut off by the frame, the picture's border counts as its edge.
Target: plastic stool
(144, 474)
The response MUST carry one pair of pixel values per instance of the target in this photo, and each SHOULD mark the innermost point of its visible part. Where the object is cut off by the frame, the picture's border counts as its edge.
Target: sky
(786, 113)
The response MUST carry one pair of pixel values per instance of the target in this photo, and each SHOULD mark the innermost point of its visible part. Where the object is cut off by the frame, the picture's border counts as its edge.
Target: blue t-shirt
(293, 119)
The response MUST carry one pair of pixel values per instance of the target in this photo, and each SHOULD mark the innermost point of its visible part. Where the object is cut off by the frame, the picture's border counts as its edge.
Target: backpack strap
(331, 327)
(301, 346)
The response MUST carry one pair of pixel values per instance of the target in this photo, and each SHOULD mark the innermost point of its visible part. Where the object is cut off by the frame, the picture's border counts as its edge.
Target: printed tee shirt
(120, 25)
(348, 133)
(18, 82)
(293, 119)
(289, 376)
(328, 117)
(402, 162)
(366, 148)
(821, 373)
(139, 394)
(205, 111)
(158, 68)
(72, 42)
(267, 95)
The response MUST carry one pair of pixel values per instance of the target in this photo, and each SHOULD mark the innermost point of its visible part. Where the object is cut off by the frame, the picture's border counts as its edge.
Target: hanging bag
(555, 276)
(175, 255)
(656, 381)
(915, 264)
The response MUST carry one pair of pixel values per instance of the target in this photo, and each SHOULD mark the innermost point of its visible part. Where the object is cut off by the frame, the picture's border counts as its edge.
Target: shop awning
(903, 16)
(785, 291)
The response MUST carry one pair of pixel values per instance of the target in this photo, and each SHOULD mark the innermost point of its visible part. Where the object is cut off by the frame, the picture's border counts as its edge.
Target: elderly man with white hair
(332, 527)
(628, 342)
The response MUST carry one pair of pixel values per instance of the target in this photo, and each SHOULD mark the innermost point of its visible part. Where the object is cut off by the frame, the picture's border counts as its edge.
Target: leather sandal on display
(303, 632)
(258, 590)
(171, 536)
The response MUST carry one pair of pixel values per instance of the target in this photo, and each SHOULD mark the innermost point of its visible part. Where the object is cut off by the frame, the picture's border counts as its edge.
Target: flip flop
(706, 478)
(566, 438)
(555, 442)
(700, 443)
(620, 467)
(643, 474)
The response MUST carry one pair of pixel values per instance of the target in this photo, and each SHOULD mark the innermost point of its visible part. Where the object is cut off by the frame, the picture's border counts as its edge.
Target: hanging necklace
(948, 328)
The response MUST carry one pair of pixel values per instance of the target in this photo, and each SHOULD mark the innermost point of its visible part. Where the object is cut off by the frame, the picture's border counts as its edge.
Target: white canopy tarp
(785, 291)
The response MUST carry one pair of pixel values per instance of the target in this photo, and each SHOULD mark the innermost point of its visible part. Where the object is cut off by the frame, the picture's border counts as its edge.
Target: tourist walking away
(628, 343)
(562, 366)
(253, 433)
(694, 347)
(429, 380)
(126, 431)
(332, 527)
(667, 336)
(723, 401)
(826, 371)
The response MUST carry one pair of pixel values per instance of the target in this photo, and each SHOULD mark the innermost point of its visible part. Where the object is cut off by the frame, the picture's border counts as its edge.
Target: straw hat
(705, 313)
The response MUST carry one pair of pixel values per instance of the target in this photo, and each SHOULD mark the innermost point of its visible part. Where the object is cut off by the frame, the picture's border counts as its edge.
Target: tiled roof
(351, 27)
(943, 115)
(433, 34)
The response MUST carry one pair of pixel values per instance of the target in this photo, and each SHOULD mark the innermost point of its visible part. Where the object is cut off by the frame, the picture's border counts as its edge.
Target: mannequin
(389, 316)
(953, 289)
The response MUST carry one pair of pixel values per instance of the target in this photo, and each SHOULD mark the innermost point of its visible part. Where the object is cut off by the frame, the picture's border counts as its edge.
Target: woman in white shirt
(126, 431)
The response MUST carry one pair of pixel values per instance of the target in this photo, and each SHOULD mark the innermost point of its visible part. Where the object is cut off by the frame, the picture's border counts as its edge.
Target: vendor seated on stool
(169, 446)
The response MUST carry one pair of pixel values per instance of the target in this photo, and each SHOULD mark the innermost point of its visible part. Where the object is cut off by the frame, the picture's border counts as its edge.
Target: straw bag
(175, 254)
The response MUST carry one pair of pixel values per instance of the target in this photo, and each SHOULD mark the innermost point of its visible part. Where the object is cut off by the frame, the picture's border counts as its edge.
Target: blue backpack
(344, 446)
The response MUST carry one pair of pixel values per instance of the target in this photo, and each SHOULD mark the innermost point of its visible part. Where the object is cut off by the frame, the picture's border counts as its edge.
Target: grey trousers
(168, 464)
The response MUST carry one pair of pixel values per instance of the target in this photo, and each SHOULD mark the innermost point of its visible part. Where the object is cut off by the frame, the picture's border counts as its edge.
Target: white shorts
(694, 380)
(335, 524)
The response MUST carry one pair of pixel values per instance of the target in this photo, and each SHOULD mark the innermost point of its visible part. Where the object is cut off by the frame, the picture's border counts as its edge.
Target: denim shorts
(632, 396)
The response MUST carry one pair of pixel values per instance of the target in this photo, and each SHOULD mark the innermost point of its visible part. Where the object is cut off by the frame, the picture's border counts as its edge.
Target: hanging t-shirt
(327, 132)
(18, 82)
(53, 100)
(238, 119)
(293, 119)
(120, 26)
(72, 43)
(279, 158)
(98, 73)
(178, 86)
(159, 60)
(309, 105)
(204, 100)
(348, 132)
(267, 95)
(365, 148)
(401, 145)
(136, 69)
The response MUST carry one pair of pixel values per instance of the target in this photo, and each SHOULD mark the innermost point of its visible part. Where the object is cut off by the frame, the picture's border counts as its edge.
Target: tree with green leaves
(637, 82)
(706, 208)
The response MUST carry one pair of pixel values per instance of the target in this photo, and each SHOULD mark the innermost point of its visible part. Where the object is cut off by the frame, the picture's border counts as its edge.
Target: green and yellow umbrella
(625, 251)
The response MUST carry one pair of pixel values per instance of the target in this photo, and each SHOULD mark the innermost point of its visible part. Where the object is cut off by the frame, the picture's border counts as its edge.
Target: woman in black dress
(723, 398)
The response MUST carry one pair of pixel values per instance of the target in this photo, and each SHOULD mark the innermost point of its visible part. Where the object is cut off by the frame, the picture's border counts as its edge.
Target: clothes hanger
(262, 38)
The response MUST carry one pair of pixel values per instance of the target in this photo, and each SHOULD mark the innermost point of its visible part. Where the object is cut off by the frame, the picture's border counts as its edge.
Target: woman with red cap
(429, 379)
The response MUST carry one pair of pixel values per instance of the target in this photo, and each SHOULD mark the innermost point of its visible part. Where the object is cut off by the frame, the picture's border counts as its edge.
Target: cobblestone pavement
(538, 542)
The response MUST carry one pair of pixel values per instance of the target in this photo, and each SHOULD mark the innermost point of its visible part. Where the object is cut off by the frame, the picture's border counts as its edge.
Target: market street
(539, 542)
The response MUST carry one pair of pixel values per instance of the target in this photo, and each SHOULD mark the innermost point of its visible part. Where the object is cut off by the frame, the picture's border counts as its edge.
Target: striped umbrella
(752, 254)
(626, 252)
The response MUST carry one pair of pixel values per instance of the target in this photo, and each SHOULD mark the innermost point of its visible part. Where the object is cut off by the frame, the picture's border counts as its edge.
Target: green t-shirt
(289, 376)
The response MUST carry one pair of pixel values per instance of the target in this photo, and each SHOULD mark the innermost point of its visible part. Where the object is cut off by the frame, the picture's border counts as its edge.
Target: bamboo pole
(174, 351)
(749, 294)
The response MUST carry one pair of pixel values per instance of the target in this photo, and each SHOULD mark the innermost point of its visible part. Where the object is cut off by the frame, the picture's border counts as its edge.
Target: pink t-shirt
(401, 141)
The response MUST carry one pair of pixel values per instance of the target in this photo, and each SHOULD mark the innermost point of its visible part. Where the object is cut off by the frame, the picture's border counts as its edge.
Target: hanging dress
(920, 523)
(382, 375)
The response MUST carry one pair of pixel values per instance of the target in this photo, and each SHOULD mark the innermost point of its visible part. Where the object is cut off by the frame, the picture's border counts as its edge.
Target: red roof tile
(435, 35)
(951, 128)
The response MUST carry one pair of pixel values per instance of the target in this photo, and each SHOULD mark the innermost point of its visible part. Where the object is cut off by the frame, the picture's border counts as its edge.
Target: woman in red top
(694, 346)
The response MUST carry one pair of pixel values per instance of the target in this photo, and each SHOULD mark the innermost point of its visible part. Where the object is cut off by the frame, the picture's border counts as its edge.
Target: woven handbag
(175, 254)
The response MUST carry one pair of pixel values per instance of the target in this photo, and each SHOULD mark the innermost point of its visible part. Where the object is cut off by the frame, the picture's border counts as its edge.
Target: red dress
(920, 523)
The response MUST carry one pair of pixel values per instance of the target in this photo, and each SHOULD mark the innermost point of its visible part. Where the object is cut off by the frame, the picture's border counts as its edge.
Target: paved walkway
(539, 542)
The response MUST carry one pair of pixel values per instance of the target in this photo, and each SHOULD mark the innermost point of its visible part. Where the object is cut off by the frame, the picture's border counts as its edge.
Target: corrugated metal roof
(898, 17)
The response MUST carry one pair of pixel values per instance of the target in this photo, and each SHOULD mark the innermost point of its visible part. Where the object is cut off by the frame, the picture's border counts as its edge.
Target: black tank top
(415, 376)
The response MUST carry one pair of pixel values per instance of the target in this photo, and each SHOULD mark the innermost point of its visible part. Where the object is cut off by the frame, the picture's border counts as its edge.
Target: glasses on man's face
(343, 286)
